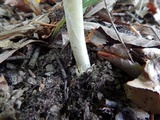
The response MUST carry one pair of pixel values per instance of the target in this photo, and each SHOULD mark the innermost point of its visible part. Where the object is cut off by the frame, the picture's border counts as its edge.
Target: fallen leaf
(147, 53)
(16, 46)
(3, 84)
(132, 69)
(145, 98)
(145, 90)
(112, 37)
(18, 30)
(100, 6)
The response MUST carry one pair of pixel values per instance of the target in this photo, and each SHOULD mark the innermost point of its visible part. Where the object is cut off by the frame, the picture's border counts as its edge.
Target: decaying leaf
(18, 30)
(100, 6)
(132, 69)
(3, 84)
(111, 36)
(130, 39)
(147, 31)
(16, 46)
(26, 5)
(145, 90)
(117, 49)
(147, 53)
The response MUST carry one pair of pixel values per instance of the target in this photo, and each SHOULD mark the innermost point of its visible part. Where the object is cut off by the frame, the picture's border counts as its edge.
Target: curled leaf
(145, 90)
(132, 69)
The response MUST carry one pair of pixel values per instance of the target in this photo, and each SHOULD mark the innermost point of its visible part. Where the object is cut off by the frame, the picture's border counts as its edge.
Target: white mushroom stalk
(74, 19)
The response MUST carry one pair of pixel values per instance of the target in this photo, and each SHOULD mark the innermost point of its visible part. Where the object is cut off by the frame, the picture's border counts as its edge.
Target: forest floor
(39, 82)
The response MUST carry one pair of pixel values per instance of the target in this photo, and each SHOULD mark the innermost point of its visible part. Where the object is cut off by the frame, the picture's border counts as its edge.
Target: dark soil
(67, 96)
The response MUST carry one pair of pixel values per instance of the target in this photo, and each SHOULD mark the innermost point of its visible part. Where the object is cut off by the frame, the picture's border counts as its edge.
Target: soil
(55, 92)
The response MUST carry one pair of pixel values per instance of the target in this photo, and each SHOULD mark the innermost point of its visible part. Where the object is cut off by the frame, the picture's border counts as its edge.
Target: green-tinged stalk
(74, 19)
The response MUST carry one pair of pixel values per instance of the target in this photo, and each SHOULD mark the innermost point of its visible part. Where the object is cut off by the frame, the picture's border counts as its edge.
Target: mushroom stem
(74, 19)
(151, 116)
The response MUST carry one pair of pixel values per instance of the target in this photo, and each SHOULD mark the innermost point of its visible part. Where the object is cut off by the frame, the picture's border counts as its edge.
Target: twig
(117, 32)
(151, 116)
(17, 58)
(153, 30)
(134, 17)
(30, 50)
(34, 58)
(64, 77)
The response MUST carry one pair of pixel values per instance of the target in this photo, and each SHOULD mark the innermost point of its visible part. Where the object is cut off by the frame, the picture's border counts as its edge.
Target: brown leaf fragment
(17, 46)
(148, 53)
(146, 99)
(117, 49)
(132, 69)
(98, 37)
(25, 5)
(13, 31)
(5, 55)
(146, 30)
(3, 84)
(130, 39)
(145, 90)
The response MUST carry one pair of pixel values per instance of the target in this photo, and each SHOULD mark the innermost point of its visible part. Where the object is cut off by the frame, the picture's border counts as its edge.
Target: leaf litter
(38, 73)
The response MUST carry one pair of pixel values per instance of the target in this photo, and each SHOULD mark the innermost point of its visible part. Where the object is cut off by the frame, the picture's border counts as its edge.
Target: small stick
(135, 31)
(64, 77)
(44, 24)
(17, 58)
(117, 32)
(34, 58)
(151, 116)
(153, 30)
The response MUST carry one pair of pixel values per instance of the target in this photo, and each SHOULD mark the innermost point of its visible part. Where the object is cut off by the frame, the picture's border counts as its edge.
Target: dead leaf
(3, 84)
(145, 98)
(145, 90)
(112, 37)
(19, 30)
(130, 39)
(132, 69)
(117, 49)
(147, 53)
(100, 6)
(16, 46)
(98, 38)
(6, 54)
(25, 7)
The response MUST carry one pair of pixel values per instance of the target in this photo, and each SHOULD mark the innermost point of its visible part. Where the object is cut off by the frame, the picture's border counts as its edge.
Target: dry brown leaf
(145, 98)
(100, 6)
(145, 90)
(132, 69)
(6, 54)
(98, 38)
(13, 31)
(117, 49)
(25, 6)
(3, 84)
(147, 53)
(130, 39)
(147, 31)
(18, 45)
